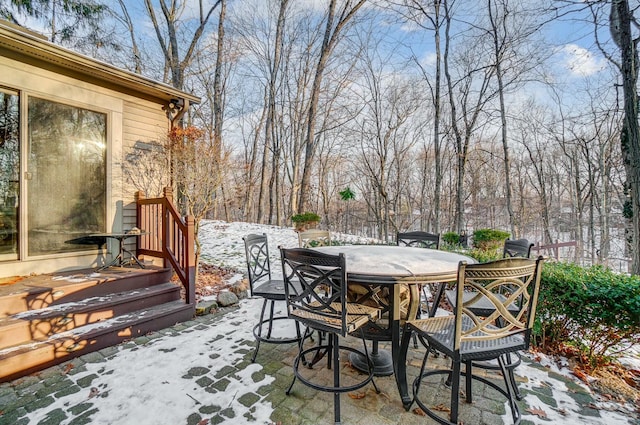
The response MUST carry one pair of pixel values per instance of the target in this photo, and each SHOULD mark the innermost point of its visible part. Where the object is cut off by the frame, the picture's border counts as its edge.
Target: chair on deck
(420, 239)
(517, 248)
(469, 338)
(261, 285)
(322, 306)
(313, 238)
(484, 308)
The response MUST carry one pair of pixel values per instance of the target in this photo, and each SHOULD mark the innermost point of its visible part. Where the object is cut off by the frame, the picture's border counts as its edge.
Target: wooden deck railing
(553, 248)
(169, 236)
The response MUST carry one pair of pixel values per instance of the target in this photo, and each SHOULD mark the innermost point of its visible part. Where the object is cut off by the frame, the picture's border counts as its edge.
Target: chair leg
(515, 411)
(455, 392)
(416, 383)
(369, 362)
(271, 310)
(255, 353)
(298, 357)
(335, 348)
(332, 346)
(512, 377)
(468, 378)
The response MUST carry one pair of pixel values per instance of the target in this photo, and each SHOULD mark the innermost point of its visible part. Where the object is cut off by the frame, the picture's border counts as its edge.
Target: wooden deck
(50, 318)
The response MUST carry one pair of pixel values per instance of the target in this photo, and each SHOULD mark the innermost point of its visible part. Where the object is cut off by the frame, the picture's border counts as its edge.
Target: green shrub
(305, 217)
(592, 308)
(481, 255)
(489, 239)
(451, 238)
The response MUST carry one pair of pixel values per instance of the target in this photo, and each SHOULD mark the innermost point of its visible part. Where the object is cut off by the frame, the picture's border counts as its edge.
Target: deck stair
(48, 319)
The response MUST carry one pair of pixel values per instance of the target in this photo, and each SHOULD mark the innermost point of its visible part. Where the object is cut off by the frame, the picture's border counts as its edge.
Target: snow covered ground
(130, 390)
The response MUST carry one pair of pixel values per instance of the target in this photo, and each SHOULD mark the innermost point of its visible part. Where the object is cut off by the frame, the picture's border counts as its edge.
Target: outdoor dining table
(390, 267)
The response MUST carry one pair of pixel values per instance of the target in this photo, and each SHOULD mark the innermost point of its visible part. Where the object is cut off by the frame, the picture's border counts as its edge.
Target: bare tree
(621, 19)
(168, 37)
(336, 20)
(426, 14)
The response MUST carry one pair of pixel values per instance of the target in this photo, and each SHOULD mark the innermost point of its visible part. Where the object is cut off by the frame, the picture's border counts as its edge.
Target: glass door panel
(66, 181)
(9, 174)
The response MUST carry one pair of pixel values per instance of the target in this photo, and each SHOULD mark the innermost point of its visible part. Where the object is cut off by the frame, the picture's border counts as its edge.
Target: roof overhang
(35, 49)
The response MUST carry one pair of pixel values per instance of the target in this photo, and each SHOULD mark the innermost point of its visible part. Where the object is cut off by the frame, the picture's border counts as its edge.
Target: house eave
(41, 51)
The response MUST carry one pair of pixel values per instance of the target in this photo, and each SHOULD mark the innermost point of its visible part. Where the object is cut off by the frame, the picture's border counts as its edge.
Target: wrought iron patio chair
(322, 306)
(484, 308)
(421, 239)
(313, 238)
(517, 248)
(468, 338)
(271, 290)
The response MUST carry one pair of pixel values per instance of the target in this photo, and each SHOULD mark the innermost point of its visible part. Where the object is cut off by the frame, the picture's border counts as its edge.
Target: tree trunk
(630, 135)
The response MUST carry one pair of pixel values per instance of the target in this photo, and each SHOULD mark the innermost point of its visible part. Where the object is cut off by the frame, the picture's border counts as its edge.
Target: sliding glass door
(9, 173)
(66, 176)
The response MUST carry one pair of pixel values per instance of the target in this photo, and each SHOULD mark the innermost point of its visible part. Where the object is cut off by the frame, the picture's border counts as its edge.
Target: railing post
(168, 193)
(190, 258)
(166, 237)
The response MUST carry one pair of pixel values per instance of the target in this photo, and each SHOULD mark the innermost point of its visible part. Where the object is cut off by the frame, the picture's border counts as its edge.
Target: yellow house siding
(144, 122)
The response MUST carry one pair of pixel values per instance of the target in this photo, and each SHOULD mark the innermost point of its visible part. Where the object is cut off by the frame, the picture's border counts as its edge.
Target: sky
(138, 394)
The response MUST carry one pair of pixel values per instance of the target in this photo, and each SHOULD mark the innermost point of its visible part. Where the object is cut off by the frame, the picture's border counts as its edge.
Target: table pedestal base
(382, 362)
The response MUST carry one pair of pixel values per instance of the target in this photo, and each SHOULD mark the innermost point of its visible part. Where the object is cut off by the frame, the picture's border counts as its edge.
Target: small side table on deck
(119, 260)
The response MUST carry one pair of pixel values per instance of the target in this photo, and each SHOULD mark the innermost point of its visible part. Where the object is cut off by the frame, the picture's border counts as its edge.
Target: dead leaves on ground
(537, 411)
(580, 374)
(438, 408)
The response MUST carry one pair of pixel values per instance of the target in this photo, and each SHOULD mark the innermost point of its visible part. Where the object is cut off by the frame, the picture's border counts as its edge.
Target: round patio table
(386, 266)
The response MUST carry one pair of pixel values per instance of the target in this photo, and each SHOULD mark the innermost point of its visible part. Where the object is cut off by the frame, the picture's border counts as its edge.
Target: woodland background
(383, 115)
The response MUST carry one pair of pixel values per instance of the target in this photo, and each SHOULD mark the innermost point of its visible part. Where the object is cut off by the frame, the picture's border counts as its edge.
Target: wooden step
(42, 323)
(37, 292)
(23, 359)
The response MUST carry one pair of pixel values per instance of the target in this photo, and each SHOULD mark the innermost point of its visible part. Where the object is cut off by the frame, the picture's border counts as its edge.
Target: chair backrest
(321, 302)
(256, 249)
(313, 238)
(517, 248)
(418, 239)
(504, 283)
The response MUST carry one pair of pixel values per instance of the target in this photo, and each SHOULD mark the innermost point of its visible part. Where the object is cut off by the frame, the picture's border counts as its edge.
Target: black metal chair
(418, 239)
(517, 248)
(261, 285)
(424, 240)
(468, 338)
(322, 305)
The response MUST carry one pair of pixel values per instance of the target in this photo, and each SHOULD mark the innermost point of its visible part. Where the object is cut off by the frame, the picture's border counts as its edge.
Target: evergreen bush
(592, 308)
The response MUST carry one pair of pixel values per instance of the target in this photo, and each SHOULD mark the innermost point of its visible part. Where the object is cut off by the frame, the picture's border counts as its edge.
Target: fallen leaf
(537, 411)
(68, 368)
(581, 375)
(357, 396)
(418, 411)
(442, 408)
(94, 392)
(203, 422)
